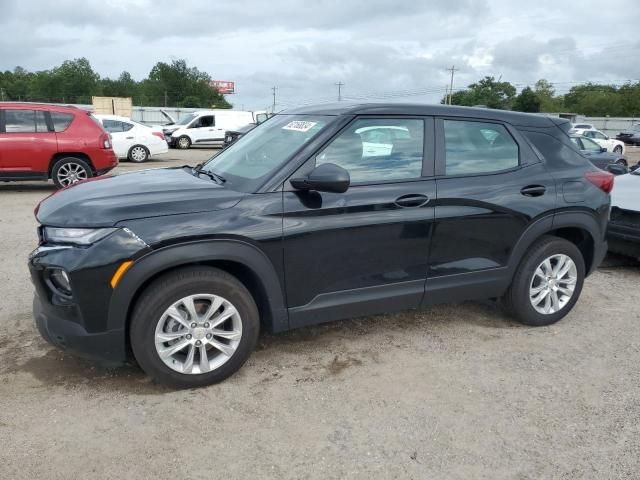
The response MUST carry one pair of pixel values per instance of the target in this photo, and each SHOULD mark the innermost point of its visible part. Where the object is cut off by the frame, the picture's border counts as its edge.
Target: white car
(133, 140)
(623, 233)
(611, 144)
(580, 128)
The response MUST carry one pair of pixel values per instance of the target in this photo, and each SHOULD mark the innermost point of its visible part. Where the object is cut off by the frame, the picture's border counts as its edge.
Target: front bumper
(80, 323)
(55, 326)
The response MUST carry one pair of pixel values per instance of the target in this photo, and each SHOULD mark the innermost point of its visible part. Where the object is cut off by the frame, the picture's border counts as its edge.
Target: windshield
(186, 119)
(250, 161)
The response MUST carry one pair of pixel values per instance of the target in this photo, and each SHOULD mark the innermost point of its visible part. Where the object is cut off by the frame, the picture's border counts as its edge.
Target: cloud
(380, 49)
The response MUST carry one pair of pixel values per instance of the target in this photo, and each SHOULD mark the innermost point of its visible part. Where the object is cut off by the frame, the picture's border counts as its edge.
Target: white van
(206, 127)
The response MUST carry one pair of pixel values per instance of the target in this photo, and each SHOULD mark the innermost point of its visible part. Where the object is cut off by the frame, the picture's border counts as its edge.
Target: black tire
(170, 288)
(183, 142)
(138, 154)
(517, 301)
(621, 161)
(618, 149)
(69, 164)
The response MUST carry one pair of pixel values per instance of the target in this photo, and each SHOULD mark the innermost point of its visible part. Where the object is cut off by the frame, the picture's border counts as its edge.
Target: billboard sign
(223, 86)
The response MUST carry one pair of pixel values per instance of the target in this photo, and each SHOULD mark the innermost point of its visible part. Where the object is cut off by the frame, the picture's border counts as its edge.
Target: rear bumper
(52, 322)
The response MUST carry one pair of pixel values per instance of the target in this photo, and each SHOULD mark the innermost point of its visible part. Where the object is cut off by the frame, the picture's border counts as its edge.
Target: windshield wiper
(219, 179)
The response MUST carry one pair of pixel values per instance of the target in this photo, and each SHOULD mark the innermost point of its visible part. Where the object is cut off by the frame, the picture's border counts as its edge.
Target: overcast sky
(380, 49)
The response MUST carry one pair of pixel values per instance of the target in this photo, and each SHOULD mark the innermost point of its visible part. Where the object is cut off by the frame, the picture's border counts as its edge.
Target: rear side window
(116, 126)
(555, 151)
(478, 147)
(61, 120)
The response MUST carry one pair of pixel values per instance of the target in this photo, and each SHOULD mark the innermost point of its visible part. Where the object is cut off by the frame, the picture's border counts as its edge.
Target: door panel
(480, 217)
(27, 146)
(358, 239)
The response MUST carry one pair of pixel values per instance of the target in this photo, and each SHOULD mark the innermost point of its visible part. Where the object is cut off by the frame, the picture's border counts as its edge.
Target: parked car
(231, 136)
(580, 128)
(624, 223)
(596, 154)
(293, 226)
(630, 136)
(43, 141)
(132, 140)
(611, 144)
(208, 127)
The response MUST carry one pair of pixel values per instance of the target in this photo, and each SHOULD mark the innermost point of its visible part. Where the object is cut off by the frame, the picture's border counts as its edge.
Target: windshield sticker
(299, 126)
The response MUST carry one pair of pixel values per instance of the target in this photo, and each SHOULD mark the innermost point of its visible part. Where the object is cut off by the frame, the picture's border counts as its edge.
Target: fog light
(60, 280)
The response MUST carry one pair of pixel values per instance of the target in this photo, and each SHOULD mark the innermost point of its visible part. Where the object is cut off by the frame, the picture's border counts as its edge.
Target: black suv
(319, 214)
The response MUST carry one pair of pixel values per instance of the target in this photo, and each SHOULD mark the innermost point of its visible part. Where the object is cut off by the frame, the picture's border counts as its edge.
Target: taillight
(105, 140)
(160, 135)
(603, 180)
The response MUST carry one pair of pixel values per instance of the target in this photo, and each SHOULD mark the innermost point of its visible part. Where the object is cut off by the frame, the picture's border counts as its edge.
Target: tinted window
(478, 147)
(41, 122)
(61, 121)
(375, 150)
(112, 126)
(20, 121)
(126, 126)
(206, 121)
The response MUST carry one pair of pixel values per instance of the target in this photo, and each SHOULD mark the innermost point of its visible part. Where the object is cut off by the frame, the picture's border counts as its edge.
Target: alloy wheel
(198, 333)
(71, 173)
(553, 284)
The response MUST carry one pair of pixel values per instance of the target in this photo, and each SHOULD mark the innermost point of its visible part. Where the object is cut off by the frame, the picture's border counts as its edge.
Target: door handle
(533, 190)
(129, 138)
(411, 200)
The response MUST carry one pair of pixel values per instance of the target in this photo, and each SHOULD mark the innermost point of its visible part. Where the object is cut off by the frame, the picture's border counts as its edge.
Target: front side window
(478, 147)
(206, 121)
(20, 121)
(589, 145)
(261, 152)
(378, 150)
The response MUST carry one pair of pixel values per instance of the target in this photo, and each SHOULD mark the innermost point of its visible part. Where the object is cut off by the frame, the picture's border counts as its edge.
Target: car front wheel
(194, 327)
(618, 149)
(547, 283)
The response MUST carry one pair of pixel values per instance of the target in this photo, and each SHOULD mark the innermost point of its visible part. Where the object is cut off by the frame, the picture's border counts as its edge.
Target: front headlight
(76, 236)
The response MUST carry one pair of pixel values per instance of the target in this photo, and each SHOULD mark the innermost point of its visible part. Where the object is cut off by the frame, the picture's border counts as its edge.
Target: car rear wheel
(194, 327)
(183, 142)
(618, 149)
(70, 170)
(138, 154)
(547, 283)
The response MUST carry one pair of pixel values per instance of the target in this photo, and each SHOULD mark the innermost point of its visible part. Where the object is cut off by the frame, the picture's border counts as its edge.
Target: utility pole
(339, 85)
(165, 98)
(2, 94)
(452, 70)
(273, 107)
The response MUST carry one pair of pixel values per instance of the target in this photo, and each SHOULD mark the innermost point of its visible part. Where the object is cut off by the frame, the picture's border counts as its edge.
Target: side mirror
(327, 177)
(617, 169)
(603, 149)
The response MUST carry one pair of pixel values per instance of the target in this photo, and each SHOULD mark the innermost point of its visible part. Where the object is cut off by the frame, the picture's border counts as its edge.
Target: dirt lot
(455, 391)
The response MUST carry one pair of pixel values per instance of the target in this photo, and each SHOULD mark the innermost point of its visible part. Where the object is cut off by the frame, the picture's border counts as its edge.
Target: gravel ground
(451, 392)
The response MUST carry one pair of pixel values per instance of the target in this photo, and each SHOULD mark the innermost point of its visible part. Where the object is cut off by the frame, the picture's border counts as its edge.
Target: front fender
(173, 256)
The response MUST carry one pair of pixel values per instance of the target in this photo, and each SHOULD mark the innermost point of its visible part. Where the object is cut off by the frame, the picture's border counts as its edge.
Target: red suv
(40, 141)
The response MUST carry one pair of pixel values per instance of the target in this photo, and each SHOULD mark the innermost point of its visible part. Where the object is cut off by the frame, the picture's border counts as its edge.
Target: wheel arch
(60, 155)
(578, 227)
(243, 260)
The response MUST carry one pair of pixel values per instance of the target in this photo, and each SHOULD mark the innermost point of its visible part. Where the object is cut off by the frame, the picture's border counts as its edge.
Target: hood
(103, 202)
(625, 192)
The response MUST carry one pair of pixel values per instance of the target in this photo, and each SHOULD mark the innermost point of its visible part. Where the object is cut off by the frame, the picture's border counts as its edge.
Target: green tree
(487, 92)
(547, 95)
(527, 101)
(595, 100)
